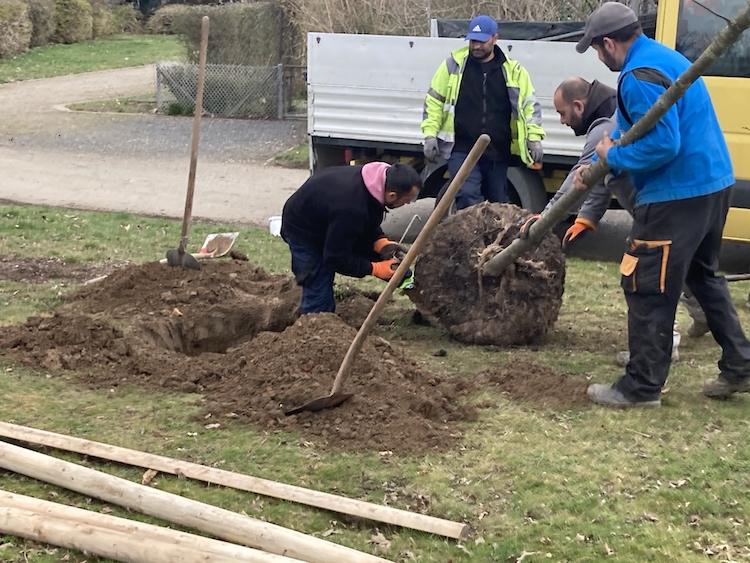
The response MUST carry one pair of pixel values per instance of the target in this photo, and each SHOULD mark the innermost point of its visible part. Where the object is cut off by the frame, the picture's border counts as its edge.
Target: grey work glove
(431, 150)
(392, 250)
(535, 150)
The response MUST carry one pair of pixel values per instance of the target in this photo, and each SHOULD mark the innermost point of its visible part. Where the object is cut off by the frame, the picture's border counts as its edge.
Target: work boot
(697, 329)
(698, 316)
(721, 388)
(608, 396)
(623, 358)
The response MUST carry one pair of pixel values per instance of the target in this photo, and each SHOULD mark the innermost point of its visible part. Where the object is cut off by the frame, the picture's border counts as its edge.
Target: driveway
(137, 163)
(140, 163)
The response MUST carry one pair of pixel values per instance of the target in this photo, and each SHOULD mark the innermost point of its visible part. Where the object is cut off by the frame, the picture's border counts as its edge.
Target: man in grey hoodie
(589, 109)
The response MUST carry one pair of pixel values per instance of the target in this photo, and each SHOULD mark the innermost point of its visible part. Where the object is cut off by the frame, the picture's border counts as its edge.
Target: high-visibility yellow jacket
(440, 105)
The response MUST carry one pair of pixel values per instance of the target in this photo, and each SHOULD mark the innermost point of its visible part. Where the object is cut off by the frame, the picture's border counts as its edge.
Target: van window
(699, 22)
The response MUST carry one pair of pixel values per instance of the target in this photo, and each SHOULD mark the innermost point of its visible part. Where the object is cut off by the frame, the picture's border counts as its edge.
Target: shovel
(336, 397)
(215, 246)
(178, 257)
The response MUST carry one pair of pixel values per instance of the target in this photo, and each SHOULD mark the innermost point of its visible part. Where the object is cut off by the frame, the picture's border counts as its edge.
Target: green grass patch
(582, 485)
(298, 157)
(143, 103)
(118, 51)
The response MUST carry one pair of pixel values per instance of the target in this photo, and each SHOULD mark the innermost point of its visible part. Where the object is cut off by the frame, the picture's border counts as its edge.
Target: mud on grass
(231, 333)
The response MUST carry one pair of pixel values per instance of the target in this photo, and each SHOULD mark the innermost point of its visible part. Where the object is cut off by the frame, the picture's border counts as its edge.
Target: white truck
(366, 95)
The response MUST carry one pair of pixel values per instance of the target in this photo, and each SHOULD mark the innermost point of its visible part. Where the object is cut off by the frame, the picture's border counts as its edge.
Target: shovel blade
(189, 261)
(321, 403)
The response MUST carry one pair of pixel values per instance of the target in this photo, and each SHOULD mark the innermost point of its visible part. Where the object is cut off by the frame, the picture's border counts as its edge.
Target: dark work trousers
(672, 242)
(488, 181)
(315, 277)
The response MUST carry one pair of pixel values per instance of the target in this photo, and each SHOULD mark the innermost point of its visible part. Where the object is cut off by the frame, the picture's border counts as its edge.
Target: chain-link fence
(230, 90)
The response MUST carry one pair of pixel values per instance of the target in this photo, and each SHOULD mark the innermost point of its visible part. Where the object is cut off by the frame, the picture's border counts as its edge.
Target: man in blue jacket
(683, 177)
(332, 225)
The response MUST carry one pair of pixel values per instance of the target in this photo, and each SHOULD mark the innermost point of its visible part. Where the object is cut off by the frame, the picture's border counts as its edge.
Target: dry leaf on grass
(380, 542)
(525, 554)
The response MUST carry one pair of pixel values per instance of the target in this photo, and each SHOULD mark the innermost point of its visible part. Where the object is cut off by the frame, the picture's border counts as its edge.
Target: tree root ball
(517, 307)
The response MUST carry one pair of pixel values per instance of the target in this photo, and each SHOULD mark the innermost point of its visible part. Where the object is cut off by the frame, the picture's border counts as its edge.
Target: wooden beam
(318, 499)
(85, 530)
(221, 523)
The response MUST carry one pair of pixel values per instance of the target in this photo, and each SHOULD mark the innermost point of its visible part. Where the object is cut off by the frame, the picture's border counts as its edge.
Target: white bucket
(274, 225)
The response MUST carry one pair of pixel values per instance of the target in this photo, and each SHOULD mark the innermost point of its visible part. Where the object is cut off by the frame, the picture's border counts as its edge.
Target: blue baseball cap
(481, 29)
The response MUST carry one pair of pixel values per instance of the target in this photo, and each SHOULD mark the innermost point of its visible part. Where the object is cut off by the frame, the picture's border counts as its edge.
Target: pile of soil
(40, 270)
(517, 307)
(527, 382)
(231, 333)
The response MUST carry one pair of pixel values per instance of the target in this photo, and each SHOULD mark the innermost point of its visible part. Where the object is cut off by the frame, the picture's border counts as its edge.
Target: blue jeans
(315, 277)
(488, 181)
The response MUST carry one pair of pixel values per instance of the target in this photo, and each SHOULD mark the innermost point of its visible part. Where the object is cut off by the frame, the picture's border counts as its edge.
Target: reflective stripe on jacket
(440, 105)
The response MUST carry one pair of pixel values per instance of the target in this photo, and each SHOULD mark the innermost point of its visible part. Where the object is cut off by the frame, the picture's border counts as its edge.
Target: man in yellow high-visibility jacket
(476, 90)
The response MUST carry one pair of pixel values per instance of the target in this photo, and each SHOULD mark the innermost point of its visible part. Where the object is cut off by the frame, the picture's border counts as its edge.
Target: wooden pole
(221, 523)
(87, 531)
(723, 40)
(248, 483)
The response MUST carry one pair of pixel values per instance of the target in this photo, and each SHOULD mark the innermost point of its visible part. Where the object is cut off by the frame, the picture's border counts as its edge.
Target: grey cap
(607, 18)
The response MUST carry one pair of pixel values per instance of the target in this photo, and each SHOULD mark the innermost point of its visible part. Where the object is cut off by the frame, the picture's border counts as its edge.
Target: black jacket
(335, 215)
(483, 106)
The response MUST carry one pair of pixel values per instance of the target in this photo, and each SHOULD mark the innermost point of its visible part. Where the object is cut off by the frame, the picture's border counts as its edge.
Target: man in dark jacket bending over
(332, 225)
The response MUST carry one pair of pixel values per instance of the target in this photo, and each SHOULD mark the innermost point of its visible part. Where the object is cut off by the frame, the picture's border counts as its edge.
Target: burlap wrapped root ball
(517, 307)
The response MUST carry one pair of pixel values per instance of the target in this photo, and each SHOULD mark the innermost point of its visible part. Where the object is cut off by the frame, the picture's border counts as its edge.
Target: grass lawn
(582, 485)
(118, 51)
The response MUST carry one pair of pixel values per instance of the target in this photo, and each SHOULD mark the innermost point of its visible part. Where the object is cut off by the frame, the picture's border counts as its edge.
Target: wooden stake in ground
(117, 538)
(723, 41)
(221, 523)
(265, 487)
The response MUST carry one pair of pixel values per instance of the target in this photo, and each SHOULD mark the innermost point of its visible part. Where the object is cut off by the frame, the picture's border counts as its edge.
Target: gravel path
(137, 163)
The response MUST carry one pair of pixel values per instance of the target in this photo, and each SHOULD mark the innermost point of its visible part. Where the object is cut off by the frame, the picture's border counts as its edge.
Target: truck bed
(372, 87)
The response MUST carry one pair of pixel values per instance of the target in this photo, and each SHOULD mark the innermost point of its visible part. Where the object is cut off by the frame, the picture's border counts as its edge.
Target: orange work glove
(576, 231)
(523, 233)
(384, 270)
(388, 249)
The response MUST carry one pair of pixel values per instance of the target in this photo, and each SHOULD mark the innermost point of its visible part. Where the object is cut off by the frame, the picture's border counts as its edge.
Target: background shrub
(15, 28)
(126, 19)
(161, 21)
(102, 18)
(42, 16)
(74, 21)
(240, 34)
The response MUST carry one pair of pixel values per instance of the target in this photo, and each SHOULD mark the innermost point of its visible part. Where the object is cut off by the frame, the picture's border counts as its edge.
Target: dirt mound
(525, 381)
(41, 270)
(517, 307)
(230, 332)
(396, 406)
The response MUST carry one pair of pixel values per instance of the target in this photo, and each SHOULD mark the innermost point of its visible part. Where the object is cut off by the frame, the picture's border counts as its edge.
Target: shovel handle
(437, 214)
(195, 137)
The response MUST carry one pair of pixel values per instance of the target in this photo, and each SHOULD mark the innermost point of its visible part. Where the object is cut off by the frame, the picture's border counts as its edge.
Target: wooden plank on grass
(221, 523)
(318, 499)
(117, 538)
